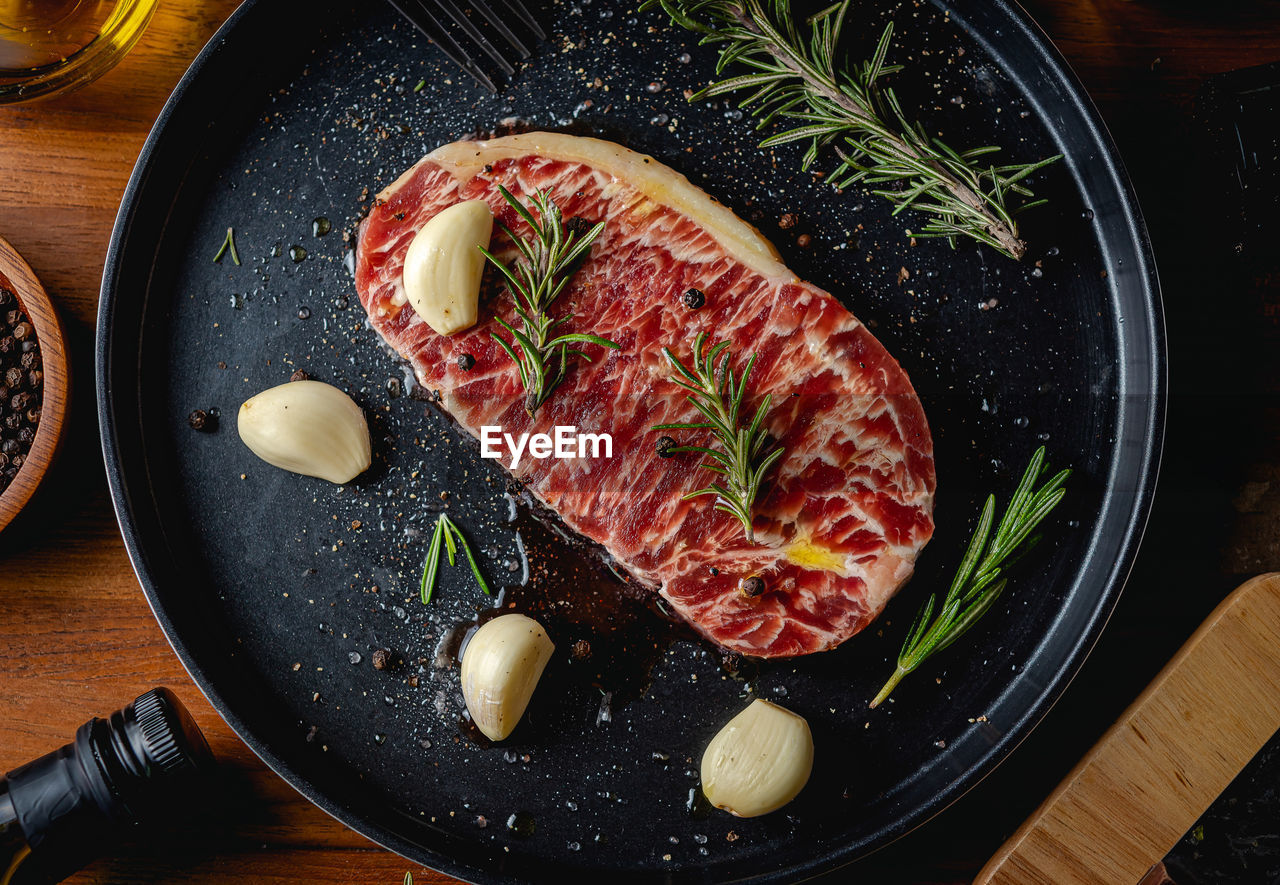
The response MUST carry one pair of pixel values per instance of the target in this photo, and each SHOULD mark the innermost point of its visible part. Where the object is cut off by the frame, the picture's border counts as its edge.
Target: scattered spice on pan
(21, 386)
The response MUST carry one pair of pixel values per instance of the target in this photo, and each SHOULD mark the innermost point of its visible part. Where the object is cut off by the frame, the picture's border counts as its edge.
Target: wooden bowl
(17, 276)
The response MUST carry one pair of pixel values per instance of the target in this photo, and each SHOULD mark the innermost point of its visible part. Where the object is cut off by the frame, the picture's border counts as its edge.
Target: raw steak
(840, 520)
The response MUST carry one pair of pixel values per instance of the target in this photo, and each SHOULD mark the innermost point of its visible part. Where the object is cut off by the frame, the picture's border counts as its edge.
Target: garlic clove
(307, 427)
(501, 666)
(444, 264)
(759, 761)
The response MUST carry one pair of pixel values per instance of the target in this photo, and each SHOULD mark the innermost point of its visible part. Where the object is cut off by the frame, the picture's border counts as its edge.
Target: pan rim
(1145, 463)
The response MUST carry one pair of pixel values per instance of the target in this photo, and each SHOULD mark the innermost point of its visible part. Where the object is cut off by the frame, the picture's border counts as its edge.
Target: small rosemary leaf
(970, 615)
(970, 560)
(586, 339)
(433, 564)
(471, 560)
(450, 547)
(502, 268)
(520, 210)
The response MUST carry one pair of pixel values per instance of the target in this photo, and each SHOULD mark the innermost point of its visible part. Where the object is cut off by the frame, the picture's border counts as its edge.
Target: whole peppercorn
(751, 587)
(466, 362)
(21, 380)
(788, 221)
(581, 650)
(804, 241)
(694, 299)
(300, 375)
(382, 659)
(665, 445)
(202, 421)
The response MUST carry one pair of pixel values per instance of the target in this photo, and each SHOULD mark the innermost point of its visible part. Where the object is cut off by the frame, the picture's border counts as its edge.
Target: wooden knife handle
(1154, 772)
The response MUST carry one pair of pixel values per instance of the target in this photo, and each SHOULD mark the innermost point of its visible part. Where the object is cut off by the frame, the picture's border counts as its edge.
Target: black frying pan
(264, 584)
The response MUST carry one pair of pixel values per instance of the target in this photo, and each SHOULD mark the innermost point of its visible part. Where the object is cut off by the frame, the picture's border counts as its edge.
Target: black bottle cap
(142, 752)
(119, 770)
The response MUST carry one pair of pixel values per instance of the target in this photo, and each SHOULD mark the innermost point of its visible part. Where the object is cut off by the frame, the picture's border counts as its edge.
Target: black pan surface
(264, 581)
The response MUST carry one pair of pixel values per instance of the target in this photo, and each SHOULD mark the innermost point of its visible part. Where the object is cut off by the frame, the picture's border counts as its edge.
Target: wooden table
(76, 637)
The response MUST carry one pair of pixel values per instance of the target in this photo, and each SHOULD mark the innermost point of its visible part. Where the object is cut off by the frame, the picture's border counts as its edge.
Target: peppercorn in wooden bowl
(34, 384)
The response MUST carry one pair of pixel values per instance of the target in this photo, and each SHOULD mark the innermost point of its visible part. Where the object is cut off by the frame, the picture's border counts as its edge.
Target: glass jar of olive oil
(50, 46)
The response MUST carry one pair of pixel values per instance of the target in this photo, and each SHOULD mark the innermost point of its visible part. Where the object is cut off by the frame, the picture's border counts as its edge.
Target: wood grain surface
(55, 391)
(77, 639)
(1156, 770)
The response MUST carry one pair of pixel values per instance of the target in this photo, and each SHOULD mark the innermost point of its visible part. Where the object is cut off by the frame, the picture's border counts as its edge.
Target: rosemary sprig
(228, 243)
(448, 536)
(547, 261)
(715, 392)
(980, 578)
(798, 76)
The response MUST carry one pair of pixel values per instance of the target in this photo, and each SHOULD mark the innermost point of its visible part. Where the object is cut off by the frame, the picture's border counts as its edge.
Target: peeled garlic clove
(443, 266)
(501, 666)
(759, 761)
(308, 427)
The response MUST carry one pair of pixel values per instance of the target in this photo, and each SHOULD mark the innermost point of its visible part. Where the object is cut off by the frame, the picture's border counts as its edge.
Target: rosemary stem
(1005, 235)
(889, 686)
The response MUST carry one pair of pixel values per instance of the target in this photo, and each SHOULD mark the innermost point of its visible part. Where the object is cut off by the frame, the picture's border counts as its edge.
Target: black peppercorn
(202, 421)
(751, 587)
(300, 375)
(694, 299)
(466, 362)
(382, 659)
(665, 445)
(21, 380)
(581, 650)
